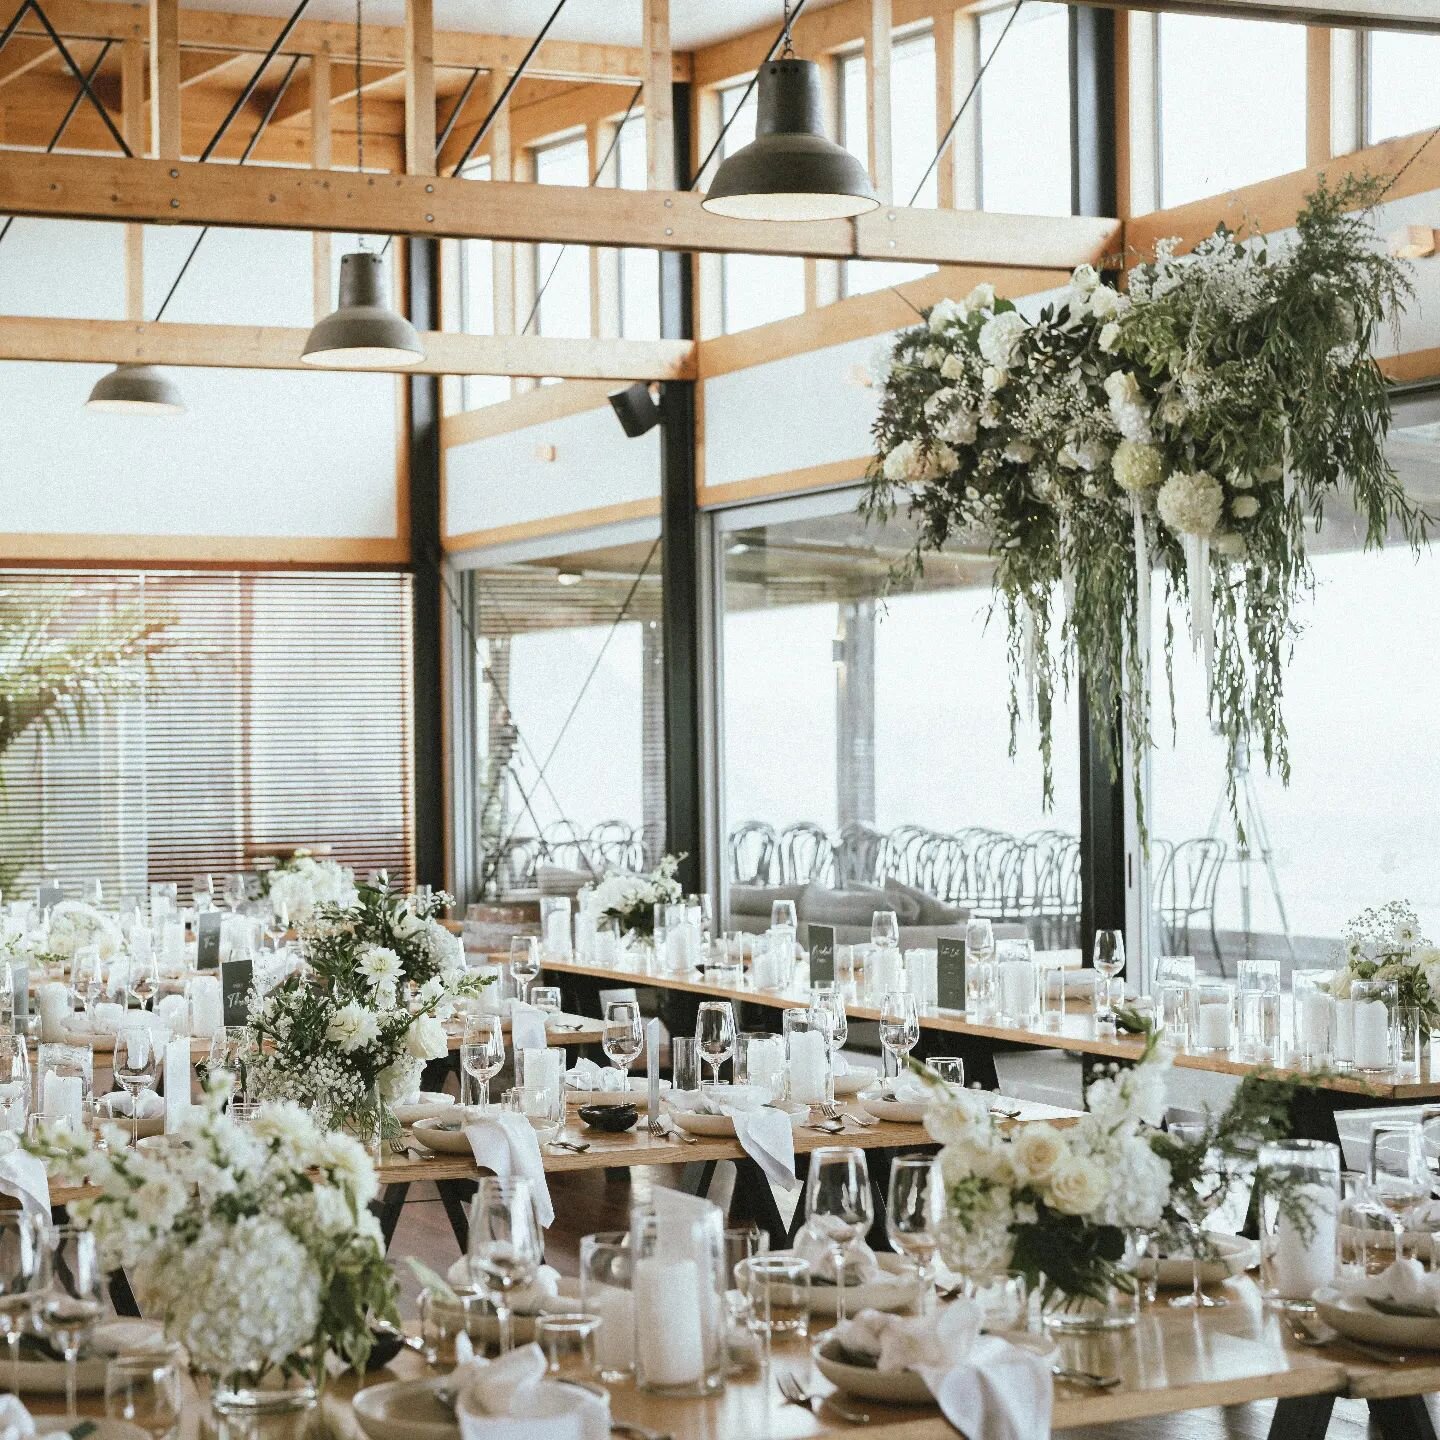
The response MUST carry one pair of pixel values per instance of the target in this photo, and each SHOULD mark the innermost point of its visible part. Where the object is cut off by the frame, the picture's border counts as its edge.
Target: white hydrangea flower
(1136, 467)
(1244, 507)
(1191, 502)
(1000, 338)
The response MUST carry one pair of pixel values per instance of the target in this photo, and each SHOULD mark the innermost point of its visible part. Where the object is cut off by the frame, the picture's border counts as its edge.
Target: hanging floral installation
(1195, 424)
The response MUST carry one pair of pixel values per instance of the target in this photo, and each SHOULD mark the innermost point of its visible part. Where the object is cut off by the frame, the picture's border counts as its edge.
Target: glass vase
(1373, 1005)
(1116, 1308)
(239, 1397)
(1297, 1185)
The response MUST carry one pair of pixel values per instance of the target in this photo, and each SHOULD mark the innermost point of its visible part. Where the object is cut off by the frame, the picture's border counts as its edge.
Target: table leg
(455, 1196)
(1404, 1418)
(695, 1178)
(1302, 1417)
(754, 1200)
(387, 1209)
(122, 1297)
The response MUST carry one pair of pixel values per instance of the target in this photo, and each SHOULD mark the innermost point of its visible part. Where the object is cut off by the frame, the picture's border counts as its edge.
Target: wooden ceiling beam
(296, 106)
(199, 66)
(249, 347)
(23, 54)
(99, 188)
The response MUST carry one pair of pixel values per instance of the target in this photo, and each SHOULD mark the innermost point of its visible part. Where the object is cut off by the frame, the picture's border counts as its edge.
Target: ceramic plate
(905, 1112)
(889, 1387)
(443, 1141)
(724, 1125)
(404, 1410)
(104, 1429)
(39, 1376)
(855, 1080)
(1355, 1317)
(1233, 1256)
(149, 1124)
(428, 1105)
(892, 1290)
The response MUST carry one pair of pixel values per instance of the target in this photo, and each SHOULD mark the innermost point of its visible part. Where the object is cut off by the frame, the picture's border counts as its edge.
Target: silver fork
(1309, 1333)
(402, 1147)
(658, 1130)
(1088, 1378)
(796, 1394)
(578, 1148)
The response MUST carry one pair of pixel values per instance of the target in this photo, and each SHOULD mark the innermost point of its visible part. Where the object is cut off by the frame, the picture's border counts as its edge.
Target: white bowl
(903, 1112)
(889, 1387)
(443, 1141)
(1353, 1316)
(404, 1410)
(718, 1126)
(893, 1289)
(428, 1105)
(1233, 1256)
(856, 1079)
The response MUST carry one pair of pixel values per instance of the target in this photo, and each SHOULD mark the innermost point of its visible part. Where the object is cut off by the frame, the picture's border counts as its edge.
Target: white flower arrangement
(253, 1244)
(295, 886)
(631, 899)
(1385, 943)
(75, 925)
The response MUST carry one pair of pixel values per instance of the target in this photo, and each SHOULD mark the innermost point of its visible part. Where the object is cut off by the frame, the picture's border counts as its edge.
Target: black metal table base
(1307, 1417)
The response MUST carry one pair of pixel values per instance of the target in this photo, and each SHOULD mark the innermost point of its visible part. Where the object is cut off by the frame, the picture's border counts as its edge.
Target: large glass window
(885, 732)
(912, 141)
(1024, 103)
(1400, 96)
(569, 736)
(754, 289)
(1231, 103)
(1359, 823)
(639, 269)
(477, 304)
(562, 272)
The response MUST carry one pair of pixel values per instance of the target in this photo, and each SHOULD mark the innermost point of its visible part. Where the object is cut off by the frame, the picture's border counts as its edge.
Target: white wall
(499, 481)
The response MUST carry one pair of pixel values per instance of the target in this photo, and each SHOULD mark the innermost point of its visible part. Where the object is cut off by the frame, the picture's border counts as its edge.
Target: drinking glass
(22, 1268)
(87, 979)
(782, 913)
(1015, 982)
(144, 1388)
(1257, 986)
(605, 1276)
(777, 1289)
(913, 1213)
(885, 930)
(1109, 962)
(554, 926)
(715, 1034)
(542, 1105)
(950, 1068)
(826, 1000)
(71, 1301)
(506, 1247)
(546, 998)
(1194, 1206)
(482, 1052)
(624, 1035)
(568, 1342)
(202, 889)
(139, 1054)
(144, 978)
(979, 967)
(524, 961)
(234, 892)
(278, 926)
(227, 1057)
(837, 1195)
(684, 1063)
(1398, 1173)
(899, 1026)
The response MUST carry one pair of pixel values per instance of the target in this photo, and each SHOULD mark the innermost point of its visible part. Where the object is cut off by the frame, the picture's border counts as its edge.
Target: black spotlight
(637, 410)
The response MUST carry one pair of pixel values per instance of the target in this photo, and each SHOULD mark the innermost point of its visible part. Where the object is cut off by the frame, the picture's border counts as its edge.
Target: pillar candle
(542, 1069)
(668, 1321)
(1372, 1035)
(207, 1009)
(557, 932)
(1017, 988)
(53, 1000)
(1312, 1019)
(584, 935)
(615, 1340)
(61, 1098)
(765, 1064)
(173, 1012)
(173, 951)
(177, 1082)
(1212, 1031)
(1301, 1262)
(652, 1067)
(809, 1067)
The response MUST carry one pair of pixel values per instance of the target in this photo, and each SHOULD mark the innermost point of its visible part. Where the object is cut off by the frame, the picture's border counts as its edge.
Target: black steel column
(680, 547)
(423, 275)
(1093, 191)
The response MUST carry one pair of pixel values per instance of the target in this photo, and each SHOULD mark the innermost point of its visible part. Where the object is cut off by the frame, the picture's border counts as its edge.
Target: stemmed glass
(279, 926)
(524, 961)
(1399, 1173)
(87, 979)
(139, 1054)
(1109, 962)
(782, 914)
(913, 1213)
(505, 1249)
(482, 1052)
(22, 1265)
(885, 930)
(227, 1057)
(624, 1037)
(1194, 1204)
(71, 1300)
(899, 1026)
(837, 1195)
(144, 1388)
(826, 1000)
(715, 1034)
(144, 978)
(234, 892)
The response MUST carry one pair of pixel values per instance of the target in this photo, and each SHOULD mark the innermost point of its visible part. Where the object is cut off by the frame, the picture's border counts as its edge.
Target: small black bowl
(610, 1118)
(386, 1344)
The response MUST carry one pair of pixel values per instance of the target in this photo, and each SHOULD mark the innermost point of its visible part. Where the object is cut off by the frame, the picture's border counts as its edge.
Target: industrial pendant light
(136, 390)
(364, 333)
(791, 170)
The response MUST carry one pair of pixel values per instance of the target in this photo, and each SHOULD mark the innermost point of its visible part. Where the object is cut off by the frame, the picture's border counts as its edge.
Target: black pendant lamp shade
(136, 390)
(364, 333)
(791, 170)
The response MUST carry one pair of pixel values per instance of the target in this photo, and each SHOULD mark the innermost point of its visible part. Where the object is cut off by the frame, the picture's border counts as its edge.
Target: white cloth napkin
(906, 1088)
(587, 1075)
(498, 1399)
(815, 1242)
(531, 1299)
(23, 1177)
(1405, 1284)
(16, 1422)
(505, 1142)
(119, 1102)
(527, 1028)
(765, 1134)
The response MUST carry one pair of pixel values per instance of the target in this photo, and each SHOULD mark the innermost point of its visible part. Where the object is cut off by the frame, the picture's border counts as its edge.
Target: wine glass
(715, 1034)
(505, 1248)
(524, 960)
(913, 1213)
(899, 1026)
(482, 1052)
(1109, 962)
(227, 1057)
(22, 1268)
(70, 1301)
(144, 978)
(87, 979)
(1195, 1202)
(279, 925)
(826, 999)
(623, 1037)
(885, 930)
(144, 1388)
(837, 1196)
(139, 1053)
(782, 913)
(1399, 1173)
(234, 892)
(202, 889)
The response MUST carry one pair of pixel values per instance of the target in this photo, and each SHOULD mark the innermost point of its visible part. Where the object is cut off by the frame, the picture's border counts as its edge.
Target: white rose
(1084, 279)
(1244, 507)
(1106, 303)
(982, 297)
(944, 314)
(1077, 1186)
(1037, 1151)
(1000, 338)
(959, 429)
(1109, 334)
(426, 1039)
(952, 367)
(994, 378)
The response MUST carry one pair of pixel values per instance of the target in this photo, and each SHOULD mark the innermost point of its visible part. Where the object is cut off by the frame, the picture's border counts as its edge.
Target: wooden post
(133, 124)
(321, 159)
(1317, 95)
(878, 27)
(657, 98)
(420, 87)
(956, 61)
(165, 79)
(604, 264)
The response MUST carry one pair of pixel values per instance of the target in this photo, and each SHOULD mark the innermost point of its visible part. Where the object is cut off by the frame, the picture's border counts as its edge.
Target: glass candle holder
(1257, 988)
(605, 1290)
(678, 1284)
(1214, 1019)
(555, 927)
(810, 1073)
(1298, 1185)
(1018, 991)
(1372, 1006)
(1313, 1019)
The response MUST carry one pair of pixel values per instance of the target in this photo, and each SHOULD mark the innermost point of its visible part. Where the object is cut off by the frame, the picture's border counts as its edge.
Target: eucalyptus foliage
(1204, 417)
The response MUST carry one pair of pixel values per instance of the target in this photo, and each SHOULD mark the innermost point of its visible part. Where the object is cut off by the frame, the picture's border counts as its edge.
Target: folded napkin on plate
(815, 1242)
(527, 1028)
(527, 1300)
(511, 1397)
(906, 1088)
(119, 1102)
(987, 1388)
(23, 1177)
(505, 1142)
(765, 1133)
(587, 1075)
(1404, 1287)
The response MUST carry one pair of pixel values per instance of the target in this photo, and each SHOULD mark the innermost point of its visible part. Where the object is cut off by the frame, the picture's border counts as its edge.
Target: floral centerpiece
(1196, 422)
(74, 925)
(1386, 944)
(253, 1244)
(631, 899)
(350, 1037)
(297, 884)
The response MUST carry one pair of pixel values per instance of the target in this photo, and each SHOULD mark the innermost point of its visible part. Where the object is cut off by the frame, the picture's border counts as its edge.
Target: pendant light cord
(787, 49)
(359, 86)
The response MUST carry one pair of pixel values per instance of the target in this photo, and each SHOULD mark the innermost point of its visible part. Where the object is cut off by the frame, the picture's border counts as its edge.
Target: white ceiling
(693, 23)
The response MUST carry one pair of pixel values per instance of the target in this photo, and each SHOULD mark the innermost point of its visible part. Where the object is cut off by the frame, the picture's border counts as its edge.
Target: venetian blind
(277, 714)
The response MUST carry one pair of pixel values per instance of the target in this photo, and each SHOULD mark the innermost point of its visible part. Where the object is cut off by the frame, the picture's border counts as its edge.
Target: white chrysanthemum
(1244, 507)
(1000, 338)
(1136, 467)
(1191, 502)
(380, 966)
(352, 1027)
